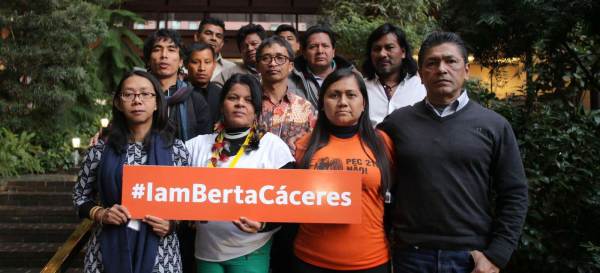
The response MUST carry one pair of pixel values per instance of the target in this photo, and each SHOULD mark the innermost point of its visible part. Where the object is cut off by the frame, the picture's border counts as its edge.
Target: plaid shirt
(289, 119)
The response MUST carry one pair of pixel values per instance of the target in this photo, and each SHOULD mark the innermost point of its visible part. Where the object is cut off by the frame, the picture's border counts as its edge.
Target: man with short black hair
(248, 39)
(390, 72)
(290, 34)
(212, 32)
(201, 63)
(460, 193)
(284, 113)
(317, 61)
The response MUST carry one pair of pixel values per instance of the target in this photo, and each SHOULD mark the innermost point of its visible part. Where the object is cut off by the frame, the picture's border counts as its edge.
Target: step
(35, 199)
(20, 270)
(37, 232)
(31, 255)
(35, 270)
(36, 183)
(39, 186)
(38, 214)
(26, 254)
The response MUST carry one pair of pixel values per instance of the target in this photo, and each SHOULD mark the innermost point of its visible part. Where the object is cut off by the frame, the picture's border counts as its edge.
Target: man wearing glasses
(284, 114)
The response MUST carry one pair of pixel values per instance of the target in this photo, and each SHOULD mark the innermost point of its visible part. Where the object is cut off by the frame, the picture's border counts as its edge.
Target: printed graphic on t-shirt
(327, 163)
(361, 165)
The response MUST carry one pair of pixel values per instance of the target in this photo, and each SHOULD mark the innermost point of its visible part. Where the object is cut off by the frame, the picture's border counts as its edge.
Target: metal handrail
(61, 259)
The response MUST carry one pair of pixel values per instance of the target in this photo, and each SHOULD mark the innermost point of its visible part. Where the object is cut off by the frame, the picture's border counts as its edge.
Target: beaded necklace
(221, 143)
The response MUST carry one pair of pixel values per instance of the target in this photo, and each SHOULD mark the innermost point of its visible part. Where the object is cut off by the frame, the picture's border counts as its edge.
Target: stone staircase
(36, 217)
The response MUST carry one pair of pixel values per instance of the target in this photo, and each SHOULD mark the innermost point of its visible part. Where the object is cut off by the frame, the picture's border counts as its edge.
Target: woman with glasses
(238, 142)
(139, 135)
(343, 139)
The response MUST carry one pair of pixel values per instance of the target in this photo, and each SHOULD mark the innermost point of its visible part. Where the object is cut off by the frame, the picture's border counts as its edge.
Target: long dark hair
(119, 133)
(367, 135)
(409, 65)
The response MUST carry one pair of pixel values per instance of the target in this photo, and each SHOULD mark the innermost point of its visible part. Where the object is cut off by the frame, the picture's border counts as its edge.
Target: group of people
(443, 185)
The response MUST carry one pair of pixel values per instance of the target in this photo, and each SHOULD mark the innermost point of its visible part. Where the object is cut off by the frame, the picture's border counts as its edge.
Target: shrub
(560, 147)
(17, 154)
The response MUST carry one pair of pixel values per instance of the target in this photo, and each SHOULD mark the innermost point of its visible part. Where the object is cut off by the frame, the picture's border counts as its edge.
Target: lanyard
(237, 156)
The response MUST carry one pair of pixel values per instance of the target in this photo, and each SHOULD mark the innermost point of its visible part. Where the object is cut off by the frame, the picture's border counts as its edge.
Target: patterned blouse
(168, 258)
(290, 119)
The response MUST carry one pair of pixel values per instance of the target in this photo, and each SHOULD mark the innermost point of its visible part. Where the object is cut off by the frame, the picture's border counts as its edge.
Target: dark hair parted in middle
(253, 85)
(163, 34)
(409, 65)
(119, 133)
(438, 38)
(271, 41)
(367, 135)
(314, 30)
(247, 30)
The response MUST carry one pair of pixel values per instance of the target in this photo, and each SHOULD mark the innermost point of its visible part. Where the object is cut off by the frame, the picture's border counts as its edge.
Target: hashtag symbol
(138, 191)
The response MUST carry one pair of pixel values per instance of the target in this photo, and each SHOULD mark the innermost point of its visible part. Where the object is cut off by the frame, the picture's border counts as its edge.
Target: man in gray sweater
(460, 193)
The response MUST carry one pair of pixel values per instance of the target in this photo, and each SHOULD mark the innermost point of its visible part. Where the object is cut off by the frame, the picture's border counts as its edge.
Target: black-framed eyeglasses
(279, 59)
(145, 96)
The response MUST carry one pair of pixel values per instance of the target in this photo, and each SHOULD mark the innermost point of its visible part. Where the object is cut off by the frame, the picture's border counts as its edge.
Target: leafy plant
(17, 154)
(58, 61)
(116, 51)
(560, 141)
(354, 20)
(560, 148)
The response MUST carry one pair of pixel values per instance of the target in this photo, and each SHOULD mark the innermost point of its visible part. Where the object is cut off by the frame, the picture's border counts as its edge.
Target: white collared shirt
(451, 108)
(222, 64)
(408, 92)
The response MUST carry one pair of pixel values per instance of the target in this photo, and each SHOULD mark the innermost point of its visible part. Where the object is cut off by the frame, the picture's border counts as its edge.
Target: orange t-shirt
(346, 246)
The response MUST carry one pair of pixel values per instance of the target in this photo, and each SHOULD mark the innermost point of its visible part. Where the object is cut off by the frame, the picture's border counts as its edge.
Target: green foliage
(560, 148)
(17, 154)
(49, 85)
(558, 43)
(49, 80)
(354, 20)
(57, 61)
(58, 156)
(116, 51)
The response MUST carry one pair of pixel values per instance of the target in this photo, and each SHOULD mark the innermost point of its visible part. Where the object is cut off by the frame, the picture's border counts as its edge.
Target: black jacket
(197, 113)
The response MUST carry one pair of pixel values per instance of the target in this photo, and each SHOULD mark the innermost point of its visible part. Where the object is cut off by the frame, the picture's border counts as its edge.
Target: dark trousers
(416, 260)
(187, 239)
(282, 250)
(299, 266)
